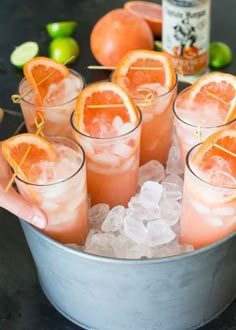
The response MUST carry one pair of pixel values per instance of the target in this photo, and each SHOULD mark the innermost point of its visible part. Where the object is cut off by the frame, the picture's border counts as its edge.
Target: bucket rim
(86, 255)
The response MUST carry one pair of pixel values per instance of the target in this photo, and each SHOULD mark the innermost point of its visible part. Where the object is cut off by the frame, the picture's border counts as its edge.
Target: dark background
(23, 306)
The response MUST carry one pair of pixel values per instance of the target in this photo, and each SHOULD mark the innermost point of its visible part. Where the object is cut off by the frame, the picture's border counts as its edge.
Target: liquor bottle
(186, 34)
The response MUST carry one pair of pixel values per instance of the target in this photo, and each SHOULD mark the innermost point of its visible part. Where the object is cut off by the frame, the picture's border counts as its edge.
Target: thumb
(23, 209)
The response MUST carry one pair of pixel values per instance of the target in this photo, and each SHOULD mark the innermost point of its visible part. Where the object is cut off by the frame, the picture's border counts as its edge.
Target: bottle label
(186, 33)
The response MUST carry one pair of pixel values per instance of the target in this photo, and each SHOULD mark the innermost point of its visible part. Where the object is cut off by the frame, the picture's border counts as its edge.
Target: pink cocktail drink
(112, 159)
(157, 125)
(57, 106)
(209, 203)
(196, 121)
(59, 188)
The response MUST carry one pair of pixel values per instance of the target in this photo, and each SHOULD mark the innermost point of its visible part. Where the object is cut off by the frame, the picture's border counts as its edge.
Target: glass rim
(190, 169)
(73, 72)
(195, 125)
(106, 138)
(155, 97)
(63, 180)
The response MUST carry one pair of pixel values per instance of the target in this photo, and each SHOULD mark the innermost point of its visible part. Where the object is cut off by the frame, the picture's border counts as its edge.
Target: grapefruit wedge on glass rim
(152, 68)
(30, 147)
(87, 118)
(218, 90)
(216, 158)
(41, 72)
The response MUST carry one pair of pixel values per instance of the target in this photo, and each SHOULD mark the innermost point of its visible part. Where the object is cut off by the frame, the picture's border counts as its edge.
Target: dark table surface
(23, 305)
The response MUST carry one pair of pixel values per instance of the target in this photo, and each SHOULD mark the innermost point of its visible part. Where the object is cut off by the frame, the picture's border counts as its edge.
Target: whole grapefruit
(118, 32)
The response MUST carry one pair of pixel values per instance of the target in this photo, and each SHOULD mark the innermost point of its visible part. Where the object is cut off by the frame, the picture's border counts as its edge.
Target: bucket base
(89, 328)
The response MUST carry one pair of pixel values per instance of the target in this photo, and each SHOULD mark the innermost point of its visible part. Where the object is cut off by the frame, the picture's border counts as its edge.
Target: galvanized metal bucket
(174, 293)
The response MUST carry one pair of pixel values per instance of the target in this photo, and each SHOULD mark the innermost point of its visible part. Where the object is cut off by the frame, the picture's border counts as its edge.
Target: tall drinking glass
(57, 106)
(208, 211)
(59, 188)
(112, 165)
(193, 125)
(157, 125)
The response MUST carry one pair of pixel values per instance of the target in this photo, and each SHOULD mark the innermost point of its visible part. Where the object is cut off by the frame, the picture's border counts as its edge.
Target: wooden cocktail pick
(201, 138)
(39, 125)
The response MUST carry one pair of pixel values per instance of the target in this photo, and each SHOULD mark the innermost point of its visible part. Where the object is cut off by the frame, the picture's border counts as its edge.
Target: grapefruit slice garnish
(216, 158)
(219, 91)
(100, 103)
(159, 69)
(41, 72)
(27, 146)
(151, 12)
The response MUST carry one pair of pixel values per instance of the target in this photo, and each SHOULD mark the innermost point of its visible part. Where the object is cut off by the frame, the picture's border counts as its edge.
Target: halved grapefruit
(151, 12)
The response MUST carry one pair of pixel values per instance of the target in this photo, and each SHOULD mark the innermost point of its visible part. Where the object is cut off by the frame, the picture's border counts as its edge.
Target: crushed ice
(149, 226)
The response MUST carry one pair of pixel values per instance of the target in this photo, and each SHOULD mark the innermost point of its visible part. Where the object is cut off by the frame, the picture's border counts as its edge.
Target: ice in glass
(205, 107)
(209, 197)
(107, 124)
(59, 188)
(112, 162)
(150, 79)
(57, 105)
(195, 122)
(157, 125)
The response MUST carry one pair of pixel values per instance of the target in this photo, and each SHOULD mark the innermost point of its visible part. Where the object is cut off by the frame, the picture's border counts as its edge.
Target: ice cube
(114, 220)
(220, 178)
(117, 123)
(100, 128)
(122, 244)
(138, 251)
(151, 171)
(170, 211)
(134, 229)
(174, 162)
(68, 215)
(72, 86)
(121, 150)
(171, 249)
(100, 244)
(55, 94)
(150, 192)
(174, 178)
(201, 208)
(159, 232)
(97, 214)
(172, 190)
(143, 211)
(106, 158)
(223, 211)
(42, 173)
(215, 221)
(156, 88)
(126, 128)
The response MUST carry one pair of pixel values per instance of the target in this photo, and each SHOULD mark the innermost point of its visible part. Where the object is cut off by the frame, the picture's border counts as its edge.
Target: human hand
(15, 203)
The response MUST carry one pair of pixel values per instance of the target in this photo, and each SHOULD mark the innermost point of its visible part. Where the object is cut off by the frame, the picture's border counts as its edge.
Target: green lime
(158, 45)
(62, 49)
(61, 29)
(24, 53)
(220, 54)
